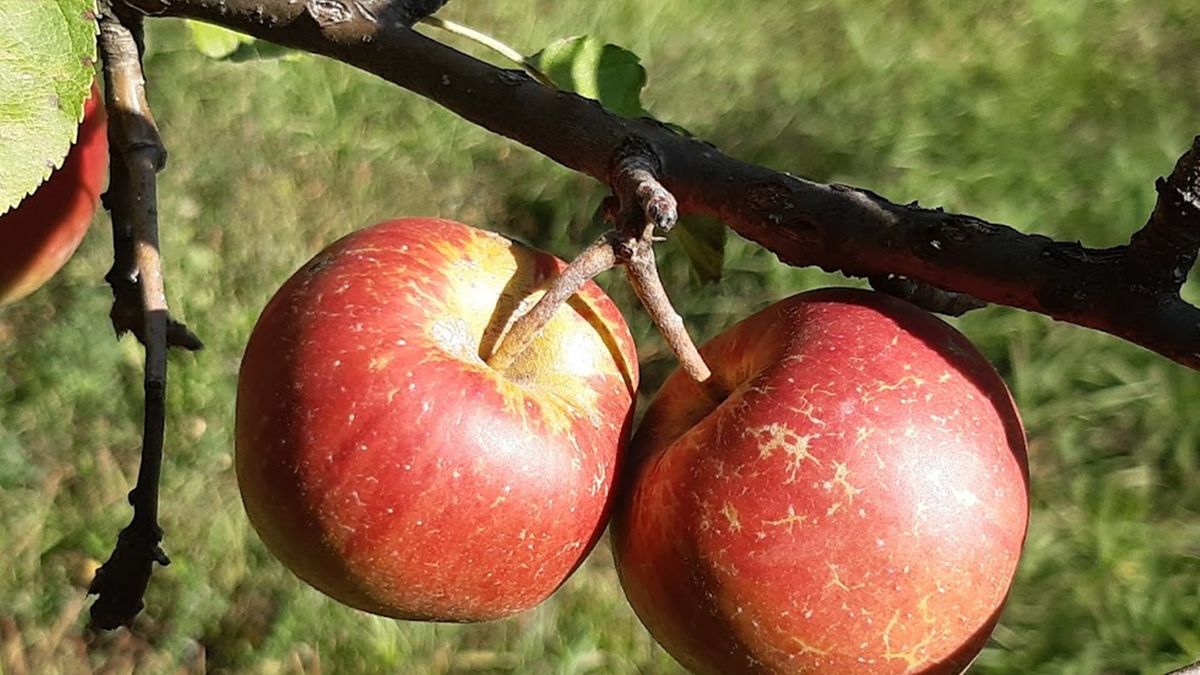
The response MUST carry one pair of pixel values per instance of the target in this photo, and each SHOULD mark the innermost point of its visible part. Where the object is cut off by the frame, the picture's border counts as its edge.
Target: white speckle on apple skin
(869, 490)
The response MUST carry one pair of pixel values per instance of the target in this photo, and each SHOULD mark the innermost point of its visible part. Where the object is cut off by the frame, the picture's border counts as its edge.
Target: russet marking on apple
(831, 514)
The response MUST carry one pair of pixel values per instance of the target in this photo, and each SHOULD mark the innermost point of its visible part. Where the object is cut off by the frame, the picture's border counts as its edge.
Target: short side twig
(491, 43)
(1161, 254)
(641, 199)
(137, 155)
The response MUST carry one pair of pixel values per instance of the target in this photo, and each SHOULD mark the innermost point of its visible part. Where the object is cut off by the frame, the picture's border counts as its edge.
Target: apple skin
(857, 504)
(385, 463)
(40, 234)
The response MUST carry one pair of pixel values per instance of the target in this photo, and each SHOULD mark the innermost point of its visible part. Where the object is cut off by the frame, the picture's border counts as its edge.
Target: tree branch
(1130, 291)
(137, 155)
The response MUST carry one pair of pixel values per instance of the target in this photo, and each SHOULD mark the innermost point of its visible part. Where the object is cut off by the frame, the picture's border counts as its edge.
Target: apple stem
(642, 271)
(492, 44)
(640, 204)
(595, 259)
(139, 305)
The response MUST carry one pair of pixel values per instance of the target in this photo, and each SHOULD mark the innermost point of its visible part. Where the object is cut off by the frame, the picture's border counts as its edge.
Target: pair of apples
(853, 500)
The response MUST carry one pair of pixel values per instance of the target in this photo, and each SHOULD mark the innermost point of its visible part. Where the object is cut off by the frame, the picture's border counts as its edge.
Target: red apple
(387, 464)
(856, 503)
(38, 236)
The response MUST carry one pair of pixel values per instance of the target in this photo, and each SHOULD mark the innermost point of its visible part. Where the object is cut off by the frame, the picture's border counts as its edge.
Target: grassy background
(1050, 115)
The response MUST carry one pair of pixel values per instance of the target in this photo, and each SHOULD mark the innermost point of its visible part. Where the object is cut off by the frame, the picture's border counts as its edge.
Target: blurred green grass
(1052, 116)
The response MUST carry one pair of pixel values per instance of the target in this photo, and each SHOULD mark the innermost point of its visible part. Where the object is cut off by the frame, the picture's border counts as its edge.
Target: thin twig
(137, 155)
(595, 259)
(491, 43)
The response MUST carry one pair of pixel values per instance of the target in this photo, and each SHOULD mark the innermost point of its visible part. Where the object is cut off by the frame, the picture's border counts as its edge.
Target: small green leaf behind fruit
(703, 240)
(226, 45)
(47, 52)
(214, 41)
(262, 50)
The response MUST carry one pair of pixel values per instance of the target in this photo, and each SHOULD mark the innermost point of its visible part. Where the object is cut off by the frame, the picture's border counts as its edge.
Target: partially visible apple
(38, 236)
(387, 464)
(856, 504)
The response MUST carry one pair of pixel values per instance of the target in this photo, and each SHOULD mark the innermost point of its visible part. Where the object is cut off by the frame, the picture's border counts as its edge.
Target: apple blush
(382, 459)
(849, 495)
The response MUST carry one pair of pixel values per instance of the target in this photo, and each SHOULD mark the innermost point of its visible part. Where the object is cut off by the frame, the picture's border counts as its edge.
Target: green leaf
(227, 45)
(214, 41)
(261, 50)
(592, 68)
(47, 48)
(703, 240)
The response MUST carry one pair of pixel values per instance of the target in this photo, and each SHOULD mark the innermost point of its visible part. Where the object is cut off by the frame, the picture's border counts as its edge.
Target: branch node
(641, 206)
(641, 198)
(328, 13)
(120, 583)
(1162, 253)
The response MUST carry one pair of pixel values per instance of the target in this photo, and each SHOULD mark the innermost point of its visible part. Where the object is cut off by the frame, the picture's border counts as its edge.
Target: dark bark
(1129, 291)
(139, 305)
